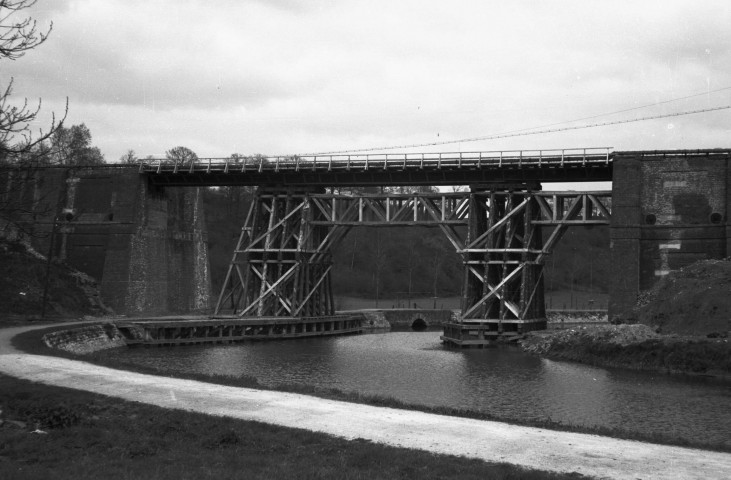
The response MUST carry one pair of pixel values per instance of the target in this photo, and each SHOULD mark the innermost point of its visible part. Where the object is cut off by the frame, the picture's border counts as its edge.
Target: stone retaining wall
(403, 317)
(85, 340)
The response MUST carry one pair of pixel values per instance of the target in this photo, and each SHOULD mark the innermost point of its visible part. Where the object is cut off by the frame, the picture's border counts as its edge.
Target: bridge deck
(585, 164)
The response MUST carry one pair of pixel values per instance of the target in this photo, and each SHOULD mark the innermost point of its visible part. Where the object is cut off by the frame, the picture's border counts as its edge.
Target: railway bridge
(665, 209)
(282, 264)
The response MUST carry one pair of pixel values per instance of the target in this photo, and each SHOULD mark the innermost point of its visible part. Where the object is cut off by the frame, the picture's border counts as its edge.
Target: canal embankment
(636, 347)
(387, 369)
(534, 448)
(82, 340)
(681, 325)
(44, 428)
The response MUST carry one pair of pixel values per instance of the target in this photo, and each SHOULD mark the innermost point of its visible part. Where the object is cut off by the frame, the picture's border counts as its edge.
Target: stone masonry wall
(84, 340)
(147, 249)
(624, 234)
(669, 210)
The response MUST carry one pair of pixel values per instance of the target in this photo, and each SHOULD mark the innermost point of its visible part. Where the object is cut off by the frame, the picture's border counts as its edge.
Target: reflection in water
(587, 390)
(415, 368)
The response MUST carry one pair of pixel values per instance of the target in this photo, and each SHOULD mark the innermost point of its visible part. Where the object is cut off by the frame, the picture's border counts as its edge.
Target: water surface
(503, 381)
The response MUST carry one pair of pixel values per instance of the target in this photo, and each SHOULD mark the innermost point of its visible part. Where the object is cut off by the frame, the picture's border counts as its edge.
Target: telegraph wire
(522, 133)
(620, 111)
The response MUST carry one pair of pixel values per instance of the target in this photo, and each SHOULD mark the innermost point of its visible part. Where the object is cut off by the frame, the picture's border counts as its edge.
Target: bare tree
(129, 158)
(181, 155)
(17, 37)
(19, 145)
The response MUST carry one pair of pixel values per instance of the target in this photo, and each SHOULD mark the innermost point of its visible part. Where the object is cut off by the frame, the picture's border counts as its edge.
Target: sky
(303, 76)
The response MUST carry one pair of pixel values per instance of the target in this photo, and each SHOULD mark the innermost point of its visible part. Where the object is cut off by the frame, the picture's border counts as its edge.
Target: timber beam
(282, 263)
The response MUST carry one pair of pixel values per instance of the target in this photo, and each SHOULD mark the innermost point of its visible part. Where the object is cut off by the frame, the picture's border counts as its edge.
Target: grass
(31, 343)
(90, 436)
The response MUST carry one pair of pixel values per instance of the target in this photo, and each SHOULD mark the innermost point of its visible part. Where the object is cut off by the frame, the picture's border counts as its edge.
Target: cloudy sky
(300, 76)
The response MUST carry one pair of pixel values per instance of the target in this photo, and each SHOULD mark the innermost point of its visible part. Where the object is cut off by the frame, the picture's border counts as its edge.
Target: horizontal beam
(370, 223)
(593, 221)
(457, 168)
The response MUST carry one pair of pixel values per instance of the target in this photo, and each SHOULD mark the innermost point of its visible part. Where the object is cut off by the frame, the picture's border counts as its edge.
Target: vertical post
(260, 308)
(48, 268)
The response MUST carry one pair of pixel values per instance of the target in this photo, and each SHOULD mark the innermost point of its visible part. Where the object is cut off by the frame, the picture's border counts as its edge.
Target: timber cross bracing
(282, 264)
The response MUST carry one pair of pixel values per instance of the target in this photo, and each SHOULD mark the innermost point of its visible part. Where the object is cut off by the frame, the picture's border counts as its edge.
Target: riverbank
(636, 347)
(80, 435)
(31, 342)
(531, 448)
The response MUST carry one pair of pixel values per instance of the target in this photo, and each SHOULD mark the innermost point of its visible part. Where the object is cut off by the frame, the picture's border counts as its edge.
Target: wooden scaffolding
(281, 265)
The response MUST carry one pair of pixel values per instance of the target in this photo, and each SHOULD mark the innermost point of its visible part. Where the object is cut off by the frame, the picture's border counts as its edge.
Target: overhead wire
(648, 105)
(533, 131)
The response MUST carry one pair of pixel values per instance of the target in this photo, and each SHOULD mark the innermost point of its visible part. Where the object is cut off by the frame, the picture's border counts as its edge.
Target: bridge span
(453, 168)
(144, 238)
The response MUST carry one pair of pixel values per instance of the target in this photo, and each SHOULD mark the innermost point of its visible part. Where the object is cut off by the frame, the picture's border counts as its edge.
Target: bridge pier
(504, 253)
(502, 290)
(281, 265)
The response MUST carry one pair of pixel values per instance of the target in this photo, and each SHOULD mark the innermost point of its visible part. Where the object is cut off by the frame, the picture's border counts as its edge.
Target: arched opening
(418, 325)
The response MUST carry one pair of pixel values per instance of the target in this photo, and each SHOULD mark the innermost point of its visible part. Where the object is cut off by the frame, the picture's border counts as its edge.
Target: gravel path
(591, 455)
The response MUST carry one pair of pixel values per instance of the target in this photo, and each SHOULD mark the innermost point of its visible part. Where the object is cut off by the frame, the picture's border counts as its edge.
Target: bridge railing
(385, 161)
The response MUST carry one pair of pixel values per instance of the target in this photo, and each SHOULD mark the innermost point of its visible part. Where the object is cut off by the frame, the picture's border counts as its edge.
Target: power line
(520, 133)
(619, 111)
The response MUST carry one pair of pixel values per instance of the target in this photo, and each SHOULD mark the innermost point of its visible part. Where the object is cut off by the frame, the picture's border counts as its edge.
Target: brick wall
(669, 210)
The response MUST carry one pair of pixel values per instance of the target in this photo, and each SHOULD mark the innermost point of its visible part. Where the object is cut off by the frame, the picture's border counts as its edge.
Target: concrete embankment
(537, 448)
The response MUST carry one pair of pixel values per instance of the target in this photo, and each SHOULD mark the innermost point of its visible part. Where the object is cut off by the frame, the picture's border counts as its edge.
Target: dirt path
(491, 441)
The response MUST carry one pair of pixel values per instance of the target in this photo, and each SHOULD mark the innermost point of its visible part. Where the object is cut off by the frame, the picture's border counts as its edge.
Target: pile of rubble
(695, 300)
(542, 343)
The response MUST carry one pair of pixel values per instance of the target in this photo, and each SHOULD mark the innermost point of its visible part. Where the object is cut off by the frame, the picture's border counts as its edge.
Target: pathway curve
(537, 448)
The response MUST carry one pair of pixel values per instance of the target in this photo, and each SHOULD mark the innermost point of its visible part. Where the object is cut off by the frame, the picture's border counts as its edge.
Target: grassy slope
(92, 436)
(22, 282)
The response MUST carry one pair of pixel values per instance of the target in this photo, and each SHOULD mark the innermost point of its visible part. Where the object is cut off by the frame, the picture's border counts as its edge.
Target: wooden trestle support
(504, 253)
(281, 266)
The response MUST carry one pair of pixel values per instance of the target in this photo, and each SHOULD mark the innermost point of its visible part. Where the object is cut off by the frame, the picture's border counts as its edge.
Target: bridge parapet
(564, 164)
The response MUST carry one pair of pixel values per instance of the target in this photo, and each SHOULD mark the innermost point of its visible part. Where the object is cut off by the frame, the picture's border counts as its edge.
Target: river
(502, 381)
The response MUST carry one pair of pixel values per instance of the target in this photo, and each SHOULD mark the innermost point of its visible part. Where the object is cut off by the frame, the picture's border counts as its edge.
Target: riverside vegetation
(681, 325)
